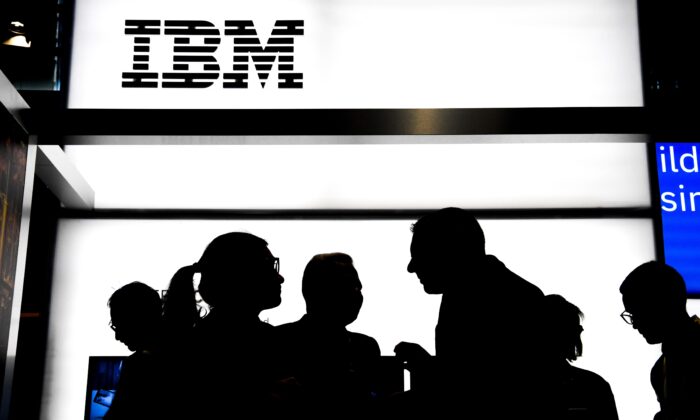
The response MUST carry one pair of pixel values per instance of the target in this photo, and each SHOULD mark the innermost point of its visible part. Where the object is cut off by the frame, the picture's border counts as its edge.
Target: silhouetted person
(135, 311)
(654, 295)
(232, 360)
(486, 338)
(577, 394)
(333, 366)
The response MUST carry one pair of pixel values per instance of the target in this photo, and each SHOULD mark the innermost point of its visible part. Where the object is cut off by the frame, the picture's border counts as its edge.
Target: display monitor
(102, 379)
(679, 188)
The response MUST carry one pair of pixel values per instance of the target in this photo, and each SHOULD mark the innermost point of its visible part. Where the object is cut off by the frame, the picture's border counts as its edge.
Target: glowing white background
(584, 260)
(382, 54)
(366, 176)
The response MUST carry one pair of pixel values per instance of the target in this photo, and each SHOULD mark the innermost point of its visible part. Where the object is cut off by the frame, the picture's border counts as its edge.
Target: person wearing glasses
(231, 352)
(578, 394)
(487, 339)
(332, 366)
(135, 312)
(654, 296)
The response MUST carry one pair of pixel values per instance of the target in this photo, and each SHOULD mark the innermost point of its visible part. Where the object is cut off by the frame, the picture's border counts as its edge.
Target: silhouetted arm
(608, 407)
(419, 362)
(413, 355)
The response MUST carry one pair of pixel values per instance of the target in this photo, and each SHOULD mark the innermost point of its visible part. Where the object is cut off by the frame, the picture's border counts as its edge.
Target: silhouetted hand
(413, 355)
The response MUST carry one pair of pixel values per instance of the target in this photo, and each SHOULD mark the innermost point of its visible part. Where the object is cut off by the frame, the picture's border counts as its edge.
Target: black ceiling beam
(140, 122)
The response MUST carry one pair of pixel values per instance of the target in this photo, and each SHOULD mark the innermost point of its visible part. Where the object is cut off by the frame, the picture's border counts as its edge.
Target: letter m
(247, 48)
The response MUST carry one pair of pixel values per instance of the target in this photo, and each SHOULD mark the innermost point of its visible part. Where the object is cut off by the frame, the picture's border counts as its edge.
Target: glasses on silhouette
(261, 264)
(112, 326)
(627, 317)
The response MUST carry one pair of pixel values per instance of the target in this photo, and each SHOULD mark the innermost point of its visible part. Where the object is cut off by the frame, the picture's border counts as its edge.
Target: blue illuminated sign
(679, 185)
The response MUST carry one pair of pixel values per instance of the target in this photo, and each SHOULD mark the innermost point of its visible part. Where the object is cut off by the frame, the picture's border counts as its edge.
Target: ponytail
(180, 311)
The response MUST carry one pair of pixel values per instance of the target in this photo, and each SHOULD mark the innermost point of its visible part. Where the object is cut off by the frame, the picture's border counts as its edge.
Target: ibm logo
(194, 44)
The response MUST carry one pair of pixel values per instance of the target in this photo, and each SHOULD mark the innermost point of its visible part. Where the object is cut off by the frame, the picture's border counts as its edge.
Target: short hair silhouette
(136, 298)
(333, 367)
(456, 229)
(136, 312)
(135, 309)
(225, 261)
(563, 327)
(573, 393)
(654, 296)
(320, 269)
(657, 282)
(330, 284)
(475, 336)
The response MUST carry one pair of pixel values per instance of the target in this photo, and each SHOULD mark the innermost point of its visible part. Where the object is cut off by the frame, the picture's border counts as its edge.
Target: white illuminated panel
(372, 54)
(693, 307)
(366, 176)
(583, 260)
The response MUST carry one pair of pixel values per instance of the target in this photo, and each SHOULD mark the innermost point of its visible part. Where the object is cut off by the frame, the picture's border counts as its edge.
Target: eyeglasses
(112, 326)
(627, 317)
(276, 264)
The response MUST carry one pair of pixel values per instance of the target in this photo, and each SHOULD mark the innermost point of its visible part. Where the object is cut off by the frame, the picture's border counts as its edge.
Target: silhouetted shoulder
(303, 331)
(589, 395)
(365, 342)
(216, 323)
(291, 336)
(587, 377)
(141, 390)
(288, 328)
(502, 277)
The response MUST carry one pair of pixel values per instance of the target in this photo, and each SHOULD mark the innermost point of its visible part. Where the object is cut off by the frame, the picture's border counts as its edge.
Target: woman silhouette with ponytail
(228, 353)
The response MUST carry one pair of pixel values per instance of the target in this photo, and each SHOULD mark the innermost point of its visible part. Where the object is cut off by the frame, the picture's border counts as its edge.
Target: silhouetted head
(562, 328)
(654, 296)
(445, 243)
(332, 289)
(239, 273)
(136, 311)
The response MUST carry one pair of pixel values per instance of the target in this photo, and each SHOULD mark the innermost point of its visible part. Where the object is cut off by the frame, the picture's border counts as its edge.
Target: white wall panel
(584, 260)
